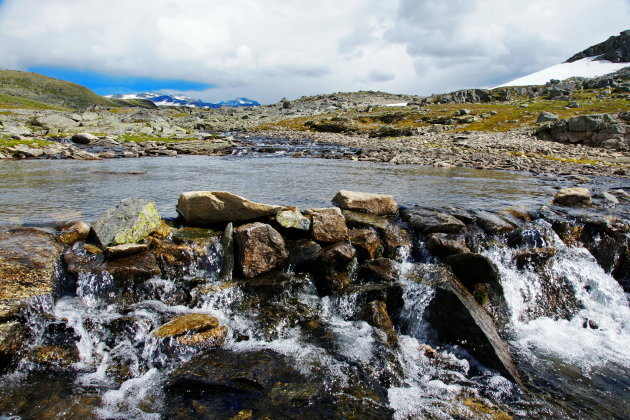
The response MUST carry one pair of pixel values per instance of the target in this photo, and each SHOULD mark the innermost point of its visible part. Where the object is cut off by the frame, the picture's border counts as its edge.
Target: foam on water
(604, 307)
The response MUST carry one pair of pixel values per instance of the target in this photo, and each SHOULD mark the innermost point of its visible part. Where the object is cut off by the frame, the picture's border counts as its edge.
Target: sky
(266, 50)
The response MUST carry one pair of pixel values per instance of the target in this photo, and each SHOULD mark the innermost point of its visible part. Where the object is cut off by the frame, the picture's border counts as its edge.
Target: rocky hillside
(19, 89)
(615, 49)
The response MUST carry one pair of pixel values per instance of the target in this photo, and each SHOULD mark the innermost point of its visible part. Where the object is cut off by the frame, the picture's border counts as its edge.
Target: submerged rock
(193, 329)
(259, 248)
(380, 204)
(375, 314)
(129, 222)
(28, 260)
(204, 208)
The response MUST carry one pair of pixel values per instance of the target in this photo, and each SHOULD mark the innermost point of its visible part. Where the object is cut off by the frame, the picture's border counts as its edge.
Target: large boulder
(129, 222)
(380, 204)
(259, 248)
(203, 208)
(84, 138)
(28, 259)
(329, 225)
(54, 122)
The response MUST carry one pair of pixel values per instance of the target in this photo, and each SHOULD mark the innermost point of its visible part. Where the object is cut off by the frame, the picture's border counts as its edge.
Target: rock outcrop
(380, 204)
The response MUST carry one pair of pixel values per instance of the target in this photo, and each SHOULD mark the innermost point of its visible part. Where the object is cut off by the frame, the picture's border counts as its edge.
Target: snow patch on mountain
(184, 100)
(586, 67)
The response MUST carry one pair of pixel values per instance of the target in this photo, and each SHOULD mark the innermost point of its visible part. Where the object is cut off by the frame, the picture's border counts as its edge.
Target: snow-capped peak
(184, 100)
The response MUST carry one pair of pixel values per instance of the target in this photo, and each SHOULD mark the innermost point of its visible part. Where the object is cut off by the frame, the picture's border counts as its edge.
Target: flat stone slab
(204, 208)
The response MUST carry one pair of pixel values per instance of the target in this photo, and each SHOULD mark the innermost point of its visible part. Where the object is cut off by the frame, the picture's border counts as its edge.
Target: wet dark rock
(445, 244)
(129, 222)
(481, 277)
(28, 260)
(379, 204)
(259, 248)
(83, 138)
(126, 271)
(366, 242)
(493, 223)
(225, 383)
(177, 260)
(303, 254)
(380, 270)
(375, 314)
(458, 319)
(393, 236)
(227, 255)
(187, 235)
(390, 293)
(431, 221)
(527, 238)
(338, 254)
(13, 336)
(534, 257)
(329, 225)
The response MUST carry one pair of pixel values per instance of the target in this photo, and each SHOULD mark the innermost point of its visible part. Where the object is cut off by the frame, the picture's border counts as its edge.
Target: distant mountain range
(597, 60)
(183, 100)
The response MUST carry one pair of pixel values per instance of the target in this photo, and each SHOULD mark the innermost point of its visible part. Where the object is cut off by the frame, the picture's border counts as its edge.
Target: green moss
(481, 296)
(6, 141)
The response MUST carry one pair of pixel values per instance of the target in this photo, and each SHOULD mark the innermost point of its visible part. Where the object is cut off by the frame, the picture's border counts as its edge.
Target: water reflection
(43, 191)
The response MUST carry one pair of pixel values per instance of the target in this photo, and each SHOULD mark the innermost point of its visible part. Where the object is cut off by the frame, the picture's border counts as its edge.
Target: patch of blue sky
(107, 84)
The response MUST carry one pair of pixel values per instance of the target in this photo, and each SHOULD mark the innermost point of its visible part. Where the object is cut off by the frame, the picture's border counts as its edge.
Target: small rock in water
(193, 329)
(573, 197)
(84, 138)
(124, 250)
(76, 232)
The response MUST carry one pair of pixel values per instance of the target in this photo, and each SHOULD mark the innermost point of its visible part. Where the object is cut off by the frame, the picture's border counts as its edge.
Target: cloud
(276, 48)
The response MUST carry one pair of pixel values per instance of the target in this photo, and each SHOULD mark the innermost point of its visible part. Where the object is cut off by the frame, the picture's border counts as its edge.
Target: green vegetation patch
(16, 102)
(6, 142)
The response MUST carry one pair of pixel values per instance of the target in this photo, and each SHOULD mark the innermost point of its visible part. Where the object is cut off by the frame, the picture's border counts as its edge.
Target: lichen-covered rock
(329, 225)
(259, 248)
(573, 197)
(379, 204)
(28, 259)
(293, 220)
(129, 222)
(204, 208)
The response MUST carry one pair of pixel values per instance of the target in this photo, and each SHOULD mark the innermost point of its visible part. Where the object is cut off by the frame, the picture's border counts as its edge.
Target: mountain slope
(615, 49)
(32, 90)
(597, 60)
(183, 100)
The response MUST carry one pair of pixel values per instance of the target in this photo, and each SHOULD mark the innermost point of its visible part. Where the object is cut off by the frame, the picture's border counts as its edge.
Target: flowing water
(42, 191)
(117, 369)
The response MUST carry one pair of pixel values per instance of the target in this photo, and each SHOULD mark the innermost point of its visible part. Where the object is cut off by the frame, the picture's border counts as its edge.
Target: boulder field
(355, 248)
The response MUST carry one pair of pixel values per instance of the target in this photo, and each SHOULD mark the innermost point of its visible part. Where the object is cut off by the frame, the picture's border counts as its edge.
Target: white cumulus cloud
(270, 49)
